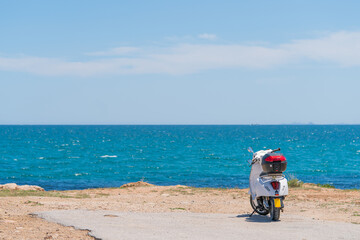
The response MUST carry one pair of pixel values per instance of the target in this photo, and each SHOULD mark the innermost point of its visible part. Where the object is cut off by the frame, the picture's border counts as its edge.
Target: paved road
(109, 225)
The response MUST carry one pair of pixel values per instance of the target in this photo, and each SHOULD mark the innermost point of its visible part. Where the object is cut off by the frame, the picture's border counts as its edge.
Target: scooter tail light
(275, 185)
(278, 158)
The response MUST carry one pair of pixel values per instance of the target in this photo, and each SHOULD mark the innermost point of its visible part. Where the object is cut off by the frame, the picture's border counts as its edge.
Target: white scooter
(268, 186)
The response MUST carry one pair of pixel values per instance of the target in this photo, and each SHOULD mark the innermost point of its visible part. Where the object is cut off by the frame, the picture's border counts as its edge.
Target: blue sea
(79, 157)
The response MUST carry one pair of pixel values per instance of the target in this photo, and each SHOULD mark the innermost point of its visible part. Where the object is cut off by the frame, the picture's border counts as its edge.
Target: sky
(179, 62)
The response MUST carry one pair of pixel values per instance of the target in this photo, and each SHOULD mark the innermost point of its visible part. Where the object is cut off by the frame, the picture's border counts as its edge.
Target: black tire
(260, 209)
(274, 212)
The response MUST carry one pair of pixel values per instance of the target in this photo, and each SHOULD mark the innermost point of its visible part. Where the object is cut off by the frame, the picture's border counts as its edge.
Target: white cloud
(207, 36)
(180, 38)
(115, 51)
(182, 59)
(341, 48)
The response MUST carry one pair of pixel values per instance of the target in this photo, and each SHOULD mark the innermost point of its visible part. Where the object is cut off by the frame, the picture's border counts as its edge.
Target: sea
(67, 157)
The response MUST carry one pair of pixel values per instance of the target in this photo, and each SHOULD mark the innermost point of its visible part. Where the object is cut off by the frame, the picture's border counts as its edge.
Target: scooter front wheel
(274, 211)
(260, 208)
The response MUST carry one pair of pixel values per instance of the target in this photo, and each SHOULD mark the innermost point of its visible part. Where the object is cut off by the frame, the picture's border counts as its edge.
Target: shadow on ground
(254, 218)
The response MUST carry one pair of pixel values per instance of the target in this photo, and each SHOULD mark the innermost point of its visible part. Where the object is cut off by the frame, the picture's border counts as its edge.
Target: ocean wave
(80, 174)
(109, 156)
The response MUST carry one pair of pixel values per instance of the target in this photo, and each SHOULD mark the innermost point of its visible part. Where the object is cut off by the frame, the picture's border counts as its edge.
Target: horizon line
(181, 124)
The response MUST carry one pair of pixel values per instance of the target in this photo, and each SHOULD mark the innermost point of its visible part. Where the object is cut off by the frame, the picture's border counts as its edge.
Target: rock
(137, 184)
(14, 186)
(9, 186)
(30, 188)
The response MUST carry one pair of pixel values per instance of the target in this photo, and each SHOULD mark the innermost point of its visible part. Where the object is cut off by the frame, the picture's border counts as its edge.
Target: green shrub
(294, 183)
(325, 185)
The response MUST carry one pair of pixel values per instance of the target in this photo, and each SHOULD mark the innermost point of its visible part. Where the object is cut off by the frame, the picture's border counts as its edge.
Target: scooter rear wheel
(260, 208)
(274, 212)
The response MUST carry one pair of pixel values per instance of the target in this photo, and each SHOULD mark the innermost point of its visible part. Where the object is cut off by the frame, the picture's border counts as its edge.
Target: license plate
(277, 202)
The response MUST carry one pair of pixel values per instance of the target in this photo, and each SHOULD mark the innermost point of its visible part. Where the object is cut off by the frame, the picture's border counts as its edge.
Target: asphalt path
(110, 225)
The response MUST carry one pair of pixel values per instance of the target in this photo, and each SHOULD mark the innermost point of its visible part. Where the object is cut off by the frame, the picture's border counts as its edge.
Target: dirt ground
(16, 221)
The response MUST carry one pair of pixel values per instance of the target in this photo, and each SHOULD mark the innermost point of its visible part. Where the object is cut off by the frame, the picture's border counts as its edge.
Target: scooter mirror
(250, 150)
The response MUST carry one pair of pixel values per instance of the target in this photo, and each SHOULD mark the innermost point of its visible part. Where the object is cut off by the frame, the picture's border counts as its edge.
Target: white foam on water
(80, 174)
(109, 156)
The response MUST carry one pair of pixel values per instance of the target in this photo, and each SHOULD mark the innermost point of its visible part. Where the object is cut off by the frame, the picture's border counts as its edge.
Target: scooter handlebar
(275, 150)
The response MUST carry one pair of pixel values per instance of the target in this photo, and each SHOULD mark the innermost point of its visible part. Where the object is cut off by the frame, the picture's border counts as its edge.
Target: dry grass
(27, 193)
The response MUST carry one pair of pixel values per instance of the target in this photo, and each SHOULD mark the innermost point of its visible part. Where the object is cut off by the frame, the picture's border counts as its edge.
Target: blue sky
(179, 62)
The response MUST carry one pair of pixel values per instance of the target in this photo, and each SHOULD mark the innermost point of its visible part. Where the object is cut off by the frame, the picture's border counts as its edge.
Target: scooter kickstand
(252, 213)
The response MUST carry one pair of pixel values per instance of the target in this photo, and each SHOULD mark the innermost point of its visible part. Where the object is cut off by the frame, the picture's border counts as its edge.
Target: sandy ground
(17, 222)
